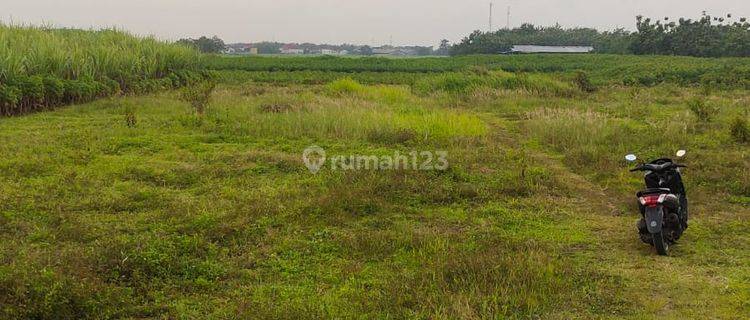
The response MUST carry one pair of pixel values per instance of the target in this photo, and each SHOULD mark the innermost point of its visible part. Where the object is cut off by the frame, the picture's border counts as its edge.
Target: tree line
(708, 36)
(216, 45)
(205, 44)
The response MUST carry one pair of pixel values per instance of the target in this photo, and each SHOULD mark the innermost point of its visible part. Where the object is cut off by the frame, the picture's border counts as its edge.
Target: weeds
(199, 95)
(344, 86)
(390, 136)
(740, 130)
(581, 79)
(463, 84)
(702, 110)
(130, 118)
(276, 107)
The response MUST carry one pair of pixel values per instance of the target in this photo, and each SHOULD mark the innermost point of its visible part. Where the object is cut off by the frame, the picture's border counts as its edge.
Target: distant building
(550, 49)
(405, 52)
(383, 51)
(291, 48)
(241, 49)
(394, 51)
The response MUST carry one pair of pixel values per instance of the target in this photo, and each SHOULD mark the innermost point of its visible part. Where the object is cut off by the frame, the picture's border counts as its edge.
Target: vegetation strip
(44, 68)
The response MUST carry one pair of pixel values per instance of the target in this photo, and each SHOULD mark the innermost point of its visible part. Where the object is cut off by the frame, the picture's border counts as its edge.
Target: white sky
(422, 22)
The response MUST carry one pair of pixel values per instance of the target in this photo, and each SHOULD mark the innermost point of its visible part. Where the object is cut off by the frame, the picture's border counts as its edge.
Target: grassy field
(136, 207)
(603, 68)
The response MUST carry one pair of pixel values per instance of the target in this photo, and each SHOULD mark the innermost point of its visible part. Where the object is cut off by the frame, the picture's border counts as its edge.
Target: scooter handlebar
(643, 167)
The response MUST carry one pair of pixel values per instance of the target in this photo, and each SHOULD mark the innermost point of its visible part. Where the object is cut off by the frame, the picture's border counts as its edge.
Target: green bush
(199, 95)
(111, 86)
(9, 98)
(130, 118)
(80, 91)
(702, 110)
(739, 129)
(32, 88)
(54, 90)
(185, 77)
(582, 81)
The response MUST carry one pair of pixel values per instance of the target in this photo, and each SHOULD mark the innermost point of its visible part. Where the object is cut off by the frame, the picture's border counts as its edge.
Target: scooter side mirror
(681, 153)
(631, 158)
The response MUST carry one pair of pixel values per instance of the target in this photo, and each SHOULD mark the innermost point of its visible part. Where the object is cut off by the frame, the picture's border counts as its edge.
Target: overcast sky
(374, 22)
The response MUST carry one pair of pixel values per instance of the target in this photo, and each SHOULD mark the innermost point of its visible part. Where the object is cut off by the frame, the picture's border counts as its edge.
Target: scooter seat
(670, 200)
(654, 191)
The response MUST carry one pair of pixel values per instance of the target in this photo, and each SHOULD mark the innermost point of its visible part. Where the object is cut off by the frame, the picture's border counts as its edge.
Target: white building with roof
(550, 49)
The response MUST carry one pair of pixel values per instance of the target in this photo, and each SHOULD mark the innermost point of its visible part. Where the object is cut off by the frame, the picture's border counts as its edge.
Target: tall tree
(205, 44)
(444, 48)
(706, 37)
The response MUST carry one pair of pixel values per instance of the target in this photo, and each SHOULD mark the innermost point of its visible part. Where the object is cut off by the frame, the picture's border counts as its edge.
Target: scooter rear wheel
(662, 247)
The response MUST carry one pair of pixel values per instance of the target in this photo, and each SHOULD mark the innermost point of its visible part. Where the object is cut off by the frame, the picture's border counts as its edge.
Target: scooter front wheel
(662, 247)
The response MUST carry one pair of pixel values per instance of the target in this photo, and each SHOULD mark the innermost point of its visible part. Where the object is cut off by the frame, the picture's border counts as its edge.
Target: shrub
(150, 85)
(739, 130)
(80, 90)
(702, 110)
(199, 95)
(211, 75)
(583, 83)
(32, 88)
(54, 90)
(185, 77)
(130, 119)
(174, 79)
(111, 87)
(9, 98)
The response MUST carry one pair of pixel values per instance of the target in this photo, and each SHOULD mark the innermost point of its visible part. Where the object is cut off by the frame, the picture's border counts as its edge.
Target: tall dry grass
(42, 67)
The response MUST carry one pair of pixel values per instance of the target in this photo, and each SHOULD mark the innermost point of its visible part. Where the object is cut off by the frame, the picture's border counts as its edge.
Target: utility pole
(507, 23)
(490, 29)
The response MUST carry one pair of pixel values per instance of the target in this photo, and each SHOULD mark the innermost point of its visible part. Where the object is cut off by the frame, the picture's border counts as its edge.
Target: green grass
(603, 68)
(215, 216)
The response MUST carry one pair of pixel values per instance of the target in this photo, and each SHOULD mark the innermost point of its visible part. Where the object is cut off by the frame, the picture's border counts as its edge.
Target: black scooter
(664, 205)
